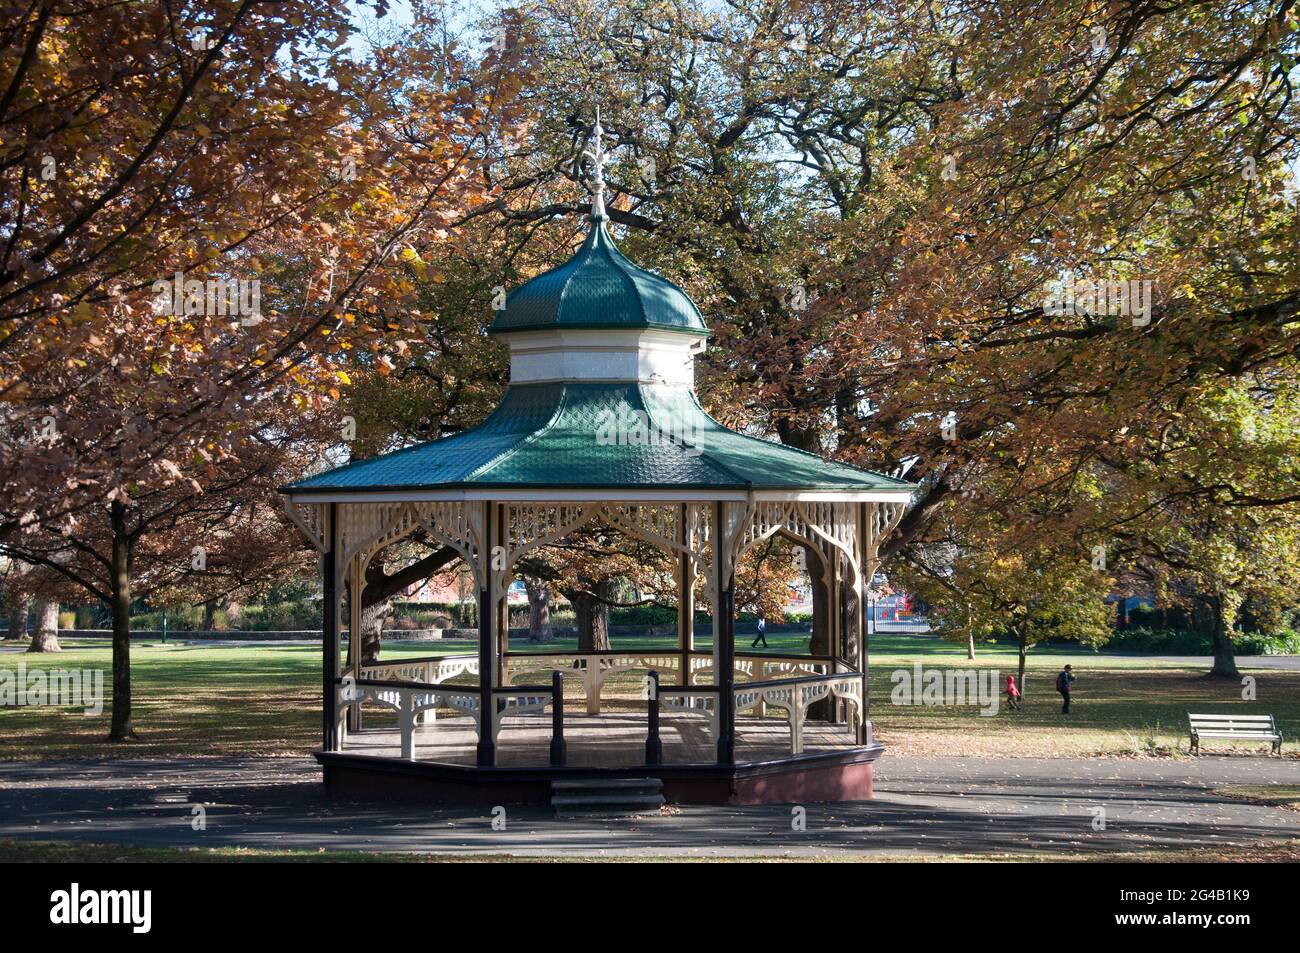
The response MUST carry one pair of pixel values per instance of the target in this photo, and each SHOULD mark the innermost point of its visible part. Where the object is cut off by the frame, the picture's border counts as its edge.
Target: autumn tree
(600, 568)
(151, 150)
(1209, 515)
(931, 238)
(766, 574)
(1006, 585)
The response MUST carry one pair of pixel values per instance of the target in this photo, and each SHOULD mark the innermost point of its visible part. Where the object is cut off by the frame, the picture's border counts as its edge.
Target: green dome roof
(598, 288)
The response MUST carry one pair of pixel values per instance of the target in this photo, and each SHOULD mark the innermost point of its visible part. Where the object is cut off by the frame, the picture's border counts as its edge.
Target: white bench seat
(1234, 727)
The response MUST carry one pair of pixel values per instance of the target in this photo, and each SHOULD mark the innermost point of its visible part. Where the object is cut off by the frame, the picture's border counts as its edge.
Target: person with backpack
(1063, 680)
(1013, 694)
(762, 634)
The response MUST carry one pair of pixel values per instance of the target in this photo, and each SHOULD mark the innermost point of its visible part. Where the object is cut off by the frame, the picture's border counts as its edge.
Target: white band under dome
(646, 356)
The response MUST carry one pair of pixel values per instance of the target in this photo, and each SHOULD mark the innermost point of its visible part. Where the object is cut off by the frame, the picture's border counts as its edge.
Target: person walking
(1013, 694)
(762, 634)
(1063, 681)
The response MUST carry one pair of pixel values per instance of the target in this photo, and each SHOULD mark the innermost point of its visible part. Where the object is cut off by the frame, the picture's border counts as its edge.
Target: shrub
(1187, 642)
(643, 615)
(1283, 642)
(1161, 641)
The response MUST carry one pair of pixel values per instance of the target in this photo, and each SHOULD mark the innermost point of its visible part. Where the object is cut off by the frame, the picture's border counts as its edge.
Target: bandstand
(600, 427)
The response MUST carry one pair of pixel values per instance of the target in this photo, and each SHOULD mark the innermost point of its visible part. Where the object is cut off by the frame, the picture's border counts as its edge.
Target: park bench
(1244, 727)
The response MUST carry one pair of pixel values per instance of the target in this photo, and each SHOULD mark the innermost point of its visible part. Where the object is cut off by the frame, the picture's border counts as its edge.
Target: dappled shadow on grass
(266, 699)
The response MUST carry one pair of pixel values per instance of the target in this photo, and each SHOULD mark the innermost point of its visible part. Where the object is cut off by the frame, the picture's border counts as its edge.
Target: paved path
(923, 806)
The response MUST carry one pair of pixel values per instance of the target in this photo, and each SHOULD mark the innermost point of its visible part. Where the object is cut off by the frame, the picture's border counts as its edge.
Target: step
(606, 797)
(649, 801)
(608, 784)
(597, 813)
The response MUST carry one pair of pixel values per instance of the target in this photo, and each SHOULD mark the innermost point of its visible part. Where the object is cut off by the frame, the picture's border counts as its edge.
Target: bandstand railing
(415, 688)
(796, 695)
(411, 699)
(595, 668)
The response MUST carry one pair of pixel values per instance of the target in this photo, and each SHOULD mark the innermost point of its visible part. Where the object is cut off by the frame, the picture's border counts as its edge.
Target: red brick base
(844, 776)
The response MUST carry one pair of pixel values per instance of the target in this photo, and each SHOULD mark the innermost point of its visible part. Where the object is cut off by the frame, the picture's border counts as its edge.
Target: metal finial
(595, 154)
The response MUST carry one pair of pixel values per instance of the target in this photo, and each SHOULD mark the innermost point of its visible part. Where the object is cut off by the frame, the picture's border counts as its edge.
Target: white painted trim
(835, 496)
(631, 355)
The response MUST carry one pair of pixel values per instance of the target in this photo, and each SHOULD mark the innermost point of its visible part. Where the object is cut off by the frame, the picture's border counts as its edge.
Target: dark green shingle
(598, 288)
(549, 435)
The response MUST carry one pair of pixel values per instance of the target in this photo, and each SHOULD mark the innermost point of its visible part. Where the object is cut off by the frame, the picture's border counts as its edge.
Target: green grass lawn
(1122, 705)
(1275, 795)
(265, 699)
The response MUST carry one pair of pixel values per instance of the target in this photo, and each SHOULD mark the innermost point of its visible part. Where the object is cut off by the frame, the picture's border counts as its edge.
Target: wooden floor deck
(609, 740)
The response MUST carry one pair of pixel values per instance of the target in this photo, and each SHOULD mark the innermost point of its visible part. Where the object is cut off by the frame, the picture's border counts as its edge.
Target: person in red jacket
(1013, 693)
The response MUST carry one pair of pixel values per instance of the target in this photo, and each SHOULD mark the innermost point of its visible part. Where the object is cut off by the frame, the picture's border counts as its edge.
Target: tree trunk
(18, 606)
(539, 610)
(593, 617)
(820, 643)
(45, 637)
(120, 605)
(209, 615)
(372, 630)
(970, 634)
(1225, 659)
(1022, 637)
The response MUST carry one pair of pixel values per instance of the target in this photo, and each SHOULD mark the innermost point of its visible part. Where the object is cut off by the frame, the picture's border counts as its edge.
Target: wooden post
(558, 752)
(330, 633)
(654, 748)
(685, 601)
(356, 583)
(503, 603)
(724, 634)
(835, 617)
(866, 562)
(487, 617)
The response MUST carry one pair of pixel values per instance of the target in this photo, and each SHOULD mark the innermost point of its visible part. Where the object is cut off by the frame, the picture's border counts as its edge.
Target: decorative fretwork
(531, 526)
(882, 519)
(813, 524)
(313, 519)
(366, 528)
(661, 525)
(460, 526)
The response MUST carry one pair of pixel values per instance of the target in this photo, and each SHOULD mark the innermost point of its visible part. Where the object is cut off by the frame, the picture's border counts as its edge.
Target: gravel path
(923, 806)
